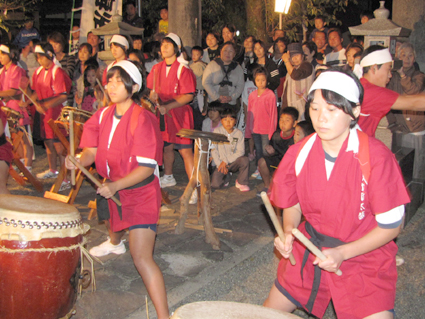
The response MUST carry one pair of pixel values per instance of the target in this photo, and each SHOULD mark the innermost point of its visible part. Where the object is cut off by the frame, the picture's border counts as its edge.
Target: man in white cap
(376, 65)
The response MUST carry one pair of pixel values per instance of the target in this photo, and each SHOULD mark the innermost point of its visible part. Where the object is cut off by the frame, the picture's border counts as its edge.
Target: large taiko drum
(80, 116)
(228, 310)
(40, 242)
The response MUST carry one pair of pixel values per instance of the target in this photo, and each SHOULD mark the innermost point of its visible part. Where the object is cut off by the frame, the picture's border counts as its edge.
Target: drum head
(27, 218)
(228, 310)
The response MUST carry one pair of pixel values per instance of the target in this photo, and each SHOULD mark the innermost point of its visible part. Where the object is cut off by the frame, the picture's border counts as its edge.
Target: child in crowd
(279, 144)
(137, 42)
(213, 119)
(303, 129)
(213, 49)
(101, 98)
(89, 84)
(319, 23)
(198, 66)
(163, 23)
(27, 33)
(262, 114)
(229, 157)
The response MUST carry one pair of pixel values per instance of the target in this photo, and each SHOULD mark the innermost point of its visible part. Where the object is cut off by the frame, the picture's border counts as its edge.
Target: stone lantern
(116, 26)
(380, 30)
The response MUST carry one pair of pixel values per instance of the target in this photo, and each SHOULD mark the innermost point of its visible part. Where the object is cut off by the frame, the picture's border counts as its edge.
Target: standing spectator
(229, 33)
(365, 16)
(131, 17)
(163, 23)
(337, 56)
(223, 78)
(27, 33)
(213, 49)
(94, 40)
(310, 50)
(249, 57)
(319, 23)
(137, 42)
(277, 33)
(262, 59)
(322, 46)
(154, 55)
(28, 59)
(279, 48)
(353, 52)
(75, 42)
(198, 66)
(298, 80)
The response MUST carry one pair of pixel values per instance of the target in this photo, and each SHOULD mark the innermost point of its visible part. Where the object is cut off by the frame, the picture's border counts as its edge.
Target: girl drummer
(173, 85)
(12, 78)
(51, 85)
(125, 143)
(350, 190)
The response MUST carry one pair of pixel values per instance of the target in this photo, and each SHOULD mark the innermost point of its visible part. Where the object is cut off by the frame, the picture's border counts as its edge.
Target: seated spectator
(279, 144)
(319, 23)
(213, 49)
(298, 80)
(213, 119)
(302, 129)
(337, 56)
(229, 157)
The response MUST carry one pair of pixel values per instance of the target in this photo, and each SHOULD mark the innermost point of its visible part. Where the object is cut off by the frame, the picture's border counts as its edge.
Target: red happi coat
(5, 149)
(140, 205)
(180, 80)
(342, 207)
(14, 78)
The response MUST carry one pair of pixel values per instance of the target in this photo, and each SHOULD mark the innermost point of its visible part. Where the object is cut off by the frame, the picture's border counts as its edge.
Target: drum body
(228, 310)
(80, 116)
(40, 257)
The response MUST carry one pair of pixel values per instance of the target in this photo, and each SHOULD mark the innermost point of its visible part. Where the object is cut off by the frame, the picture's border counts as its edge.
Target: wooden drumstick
(276, 223)
(102, 89)
(91, 177)
(310, 246)
(154, 90)
(28, 97)
(71, 144)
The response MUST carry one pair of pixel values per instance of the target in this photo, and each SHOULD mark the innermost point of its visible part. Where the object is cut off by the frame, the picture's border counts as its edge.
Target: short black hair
(311, 46)
(368, 51)
(307, 127)
(366, 13)
(260, 70)
(280, 39)
(335, 30)
(338, 100)
(228, 111)
(132, 2)
(292, 111)
(86, 45)
(230, 27)
(320, 17)
(47, 47)
(198, 48)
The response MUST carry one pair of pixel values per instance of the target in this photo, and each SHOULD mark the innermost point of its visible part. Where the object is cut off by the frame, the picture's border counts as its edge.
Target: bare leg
(114, 236)
(187, 155)
(4, 174)
(264, 172)
(141, 248)
(28, 151)
(51, 154)
(168, 159)
(277, 300)
(381, 315)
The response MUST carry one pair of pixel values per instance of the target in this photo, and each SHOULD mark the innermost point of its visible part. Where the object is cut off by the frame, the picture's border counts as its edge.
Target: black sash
(319, 240)
(102, 203)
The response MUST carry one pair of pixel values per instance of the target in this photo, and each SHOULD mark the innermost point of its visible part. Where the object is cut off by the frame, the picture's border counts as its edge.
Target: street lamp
(282, 6)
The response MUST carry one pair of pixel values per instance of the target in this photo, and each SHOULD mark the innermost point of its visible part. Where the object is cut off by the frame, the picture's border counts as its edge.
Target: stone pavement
(243, 270)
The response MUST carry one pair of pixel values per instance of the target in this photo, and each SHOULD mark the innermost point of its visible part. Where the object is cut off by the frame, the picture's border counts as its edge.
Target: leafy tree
(7, 6)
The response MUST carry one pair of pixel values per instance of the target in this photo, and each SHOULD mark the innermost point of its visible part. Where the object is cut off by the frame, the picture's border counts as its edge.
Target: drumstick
(153, 89)
(102, 89)
(91, 177)
(71, 144)
(276, 223)
(29, 98)
(310, 246)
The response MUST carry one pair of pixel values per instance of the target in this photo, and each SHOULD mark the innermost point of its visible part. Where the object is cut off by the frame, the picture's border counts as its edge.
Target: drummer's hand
(107, 190)
(40, 108)
(69, 164)
(333, 261)
(285, 248)
(222, 168)
(154, 96)
(163, 109)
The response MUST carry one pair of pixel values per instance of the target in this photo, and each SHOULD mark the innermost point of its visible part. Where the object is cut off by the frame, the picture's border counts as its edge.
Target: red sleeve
(90, 137)
(386, 187)
(62, 83)
(147, 138)
(283, 191)
(187, 81)
(16, 78)
(377, 100)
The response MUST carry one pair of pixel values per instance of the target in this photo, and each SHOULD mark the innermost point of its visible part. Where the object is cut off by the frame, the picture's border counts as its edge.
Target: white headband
(175, 38)
(339, 83)
(132, 71)
(120, 40)
(4, 48)
(376, 57)
(39, 49)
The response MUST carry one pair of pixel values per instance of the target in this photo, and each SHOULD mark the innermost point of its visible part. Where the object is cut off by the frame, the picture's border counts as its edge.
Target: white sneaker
(194, 198)
(47, 174)
(107, 248)
(65, 186)
(167, 181)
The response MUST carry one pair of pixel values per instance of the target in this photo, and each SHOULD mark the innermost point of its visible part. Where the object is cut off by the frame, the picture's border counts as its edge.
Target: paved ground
(242, 271)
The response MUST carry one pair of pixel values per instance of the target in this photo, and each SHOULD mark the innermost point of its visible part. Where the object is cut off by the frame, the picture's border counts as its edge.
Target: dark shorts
(145, 226)
(179, 146)
(272, 161)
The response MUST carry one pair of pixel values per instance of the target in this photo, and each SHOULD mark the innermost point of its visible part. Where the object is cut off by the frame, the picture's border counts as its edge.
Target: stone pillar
(184, 19)
(410, 14)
